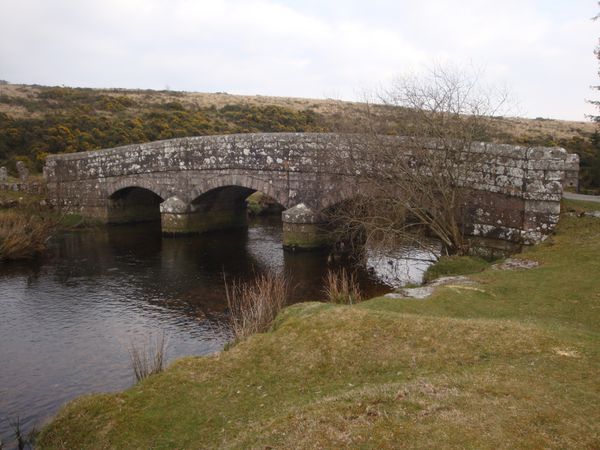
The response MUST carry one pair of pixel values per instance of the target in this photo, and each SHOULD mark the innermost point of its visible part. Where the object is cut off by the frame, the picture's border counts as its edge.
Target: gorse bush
(254, 305)
(59, 120)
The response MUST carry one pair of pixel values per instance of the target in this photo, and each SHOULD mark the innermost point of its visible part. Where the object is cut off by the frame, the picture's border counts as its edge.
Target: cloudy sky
(542, 50)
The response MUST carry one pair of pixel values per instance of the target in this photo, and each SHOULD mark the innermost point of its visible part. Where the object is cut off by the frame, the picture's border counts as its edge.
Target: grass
(23, 236)
(511, 362)
(342, 287)
(254, 305)
(148, 358)
(26, 225)
(455, 265)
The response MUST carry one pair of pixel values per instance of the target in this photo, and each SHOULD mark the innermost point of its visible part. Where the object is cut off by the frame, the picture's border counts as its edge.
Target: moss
(201, 223)
(304, 236)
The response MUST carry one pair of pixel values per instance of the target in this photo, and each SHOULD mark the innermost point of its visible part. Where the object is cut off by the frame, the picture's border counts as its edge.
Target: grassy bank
(511, 362)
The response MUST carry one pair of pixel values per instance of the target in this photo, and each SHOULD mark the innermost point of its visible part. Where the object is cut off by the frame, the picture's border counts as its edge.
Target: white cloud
(298, 48)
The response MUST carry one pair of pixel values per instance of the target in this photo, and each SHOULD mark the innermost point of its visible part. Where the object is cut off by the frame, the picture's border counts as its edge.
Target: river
(67, 320)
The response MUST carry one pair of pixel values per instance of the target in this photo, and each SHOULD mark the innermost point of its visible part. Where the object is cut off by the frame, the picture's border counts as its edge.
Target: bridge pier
(304, 229)
(179, 218)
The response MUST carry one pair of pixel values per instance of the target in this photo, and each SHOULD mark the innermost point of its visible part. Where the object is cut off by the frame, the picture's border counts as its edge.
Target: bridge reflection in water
(68, 319)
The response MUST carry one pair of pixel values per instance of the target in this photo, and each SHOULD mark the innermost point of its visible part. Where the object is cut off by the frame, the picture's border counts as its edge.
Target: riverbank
(27, 222)
(511, 361)
(26, 225)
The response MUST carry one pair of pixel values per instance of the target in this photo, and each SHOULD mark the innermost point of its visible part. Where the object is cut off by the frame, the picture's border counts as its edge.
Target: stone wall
(516, 190)
(28, 187)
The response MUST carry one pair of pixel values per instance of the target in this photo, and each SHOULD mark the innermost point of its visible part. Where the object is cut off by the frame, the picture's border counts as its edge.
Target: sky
(540, 50)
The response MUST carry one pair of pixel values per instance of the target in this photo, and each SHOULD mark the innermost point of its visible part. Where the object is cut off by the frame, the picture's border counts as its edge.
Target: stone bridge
(199, 184)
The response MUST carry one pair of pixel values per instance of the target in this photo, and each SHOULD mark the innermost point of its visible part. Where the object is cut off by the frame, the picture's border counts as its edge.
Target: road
(585, 198)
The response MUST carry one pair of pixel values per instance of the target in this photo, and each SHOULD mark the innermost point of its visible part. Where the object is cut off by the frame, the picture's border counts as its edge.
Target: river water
(67, 321)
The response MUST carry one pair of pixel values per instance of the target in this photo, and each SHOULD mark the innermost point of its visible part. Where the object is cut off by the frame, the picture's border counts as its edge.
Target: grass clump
(23, 236)
(455, 265)
(254, 305)
(342, 287)
(149, 358)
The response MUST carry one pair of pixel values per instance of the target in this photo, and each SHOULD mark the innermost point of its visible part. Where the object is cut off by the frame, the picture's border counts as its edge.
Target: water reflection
(66, 321)
(403, 265)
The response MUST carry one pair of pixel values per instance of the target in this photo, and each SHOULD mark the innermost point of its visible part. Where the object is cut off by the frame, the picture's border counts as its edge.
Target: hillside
(37, 120)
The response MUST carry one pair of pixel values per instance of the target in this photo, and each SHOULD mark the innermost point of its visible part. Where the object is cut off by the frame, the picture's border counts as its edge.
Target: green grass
(455, 265)
(511, 362)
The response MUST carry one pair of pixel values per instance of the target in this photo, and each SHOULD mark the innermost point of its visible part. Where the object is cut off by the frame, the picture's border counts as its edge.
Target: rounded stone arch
(244, 181)
(342, 193)
(119, 185)
(131, 201)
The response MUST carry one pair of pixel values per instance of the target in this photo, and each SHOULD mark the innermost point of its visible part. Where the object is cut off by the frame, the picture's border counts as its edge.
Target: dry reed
(149, 358)
(342, 287)
(254, 305)
(23, 236)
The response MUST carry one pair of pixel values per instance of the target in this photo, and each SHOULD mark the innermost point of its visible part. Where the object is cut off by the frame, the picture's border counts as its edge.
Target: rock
(514, 264)
(451, 280)
(418, 293)
(423, 292)
(595, 214)
(22, 170)
(301, 214)
(174, 205)
(3, 174)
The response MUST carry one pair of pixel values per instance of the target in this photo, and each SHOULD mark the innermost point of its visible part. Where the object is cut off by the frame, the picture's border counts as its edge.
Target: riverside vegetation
(25, 225)
(508, 362)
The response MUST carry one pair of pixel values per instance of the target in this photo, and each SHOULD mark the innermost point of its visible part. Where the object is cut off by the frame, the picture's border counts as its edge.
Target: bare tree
(412, 150)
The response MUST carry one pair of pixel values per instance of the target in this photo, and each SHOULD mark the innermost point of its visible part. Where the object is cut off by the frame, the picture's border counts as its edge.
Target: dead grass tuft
(342, 287)
(149, 358)
(253, 306)
(23, 236)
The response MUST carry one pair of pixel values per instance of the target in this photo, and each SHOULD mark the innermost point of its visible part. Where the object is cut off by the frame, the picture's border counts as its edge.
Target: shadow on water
(68, 319)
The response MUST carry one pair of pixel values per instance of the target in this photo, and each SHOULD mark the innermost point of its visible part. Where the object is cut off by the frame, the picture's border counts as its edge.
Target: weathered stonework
(571, 181)
(516, 191)
(303, 229)
(23, 171)
(3, 174)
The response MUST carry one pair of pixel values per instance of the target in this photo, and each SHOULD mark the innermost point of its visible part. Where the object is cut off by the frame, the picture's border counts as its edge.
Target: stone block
(22, 170)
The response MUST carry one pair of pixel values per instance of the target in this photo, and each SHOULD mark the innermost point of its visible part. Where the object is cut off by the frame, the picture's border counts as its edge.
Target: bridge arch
(131, 203)
(251, 183)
